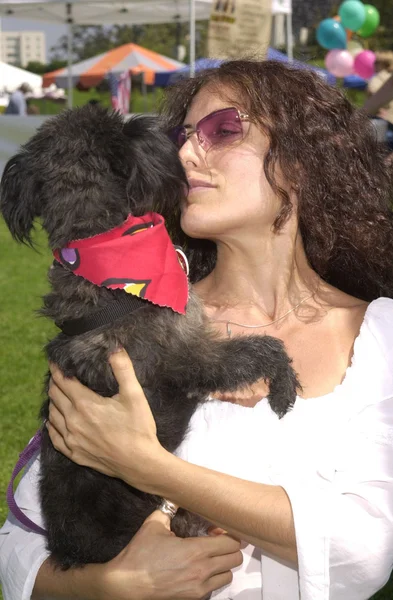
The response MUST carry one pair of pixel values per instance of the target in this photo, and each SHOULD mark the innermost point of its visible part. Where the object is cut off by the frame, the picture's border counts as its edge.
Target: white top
(333, 456)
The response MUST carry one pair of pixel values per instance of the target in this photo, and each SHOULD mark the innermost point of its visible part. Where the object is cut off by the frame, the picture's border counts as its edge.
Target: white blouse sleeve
(22, 552)
(344, 526)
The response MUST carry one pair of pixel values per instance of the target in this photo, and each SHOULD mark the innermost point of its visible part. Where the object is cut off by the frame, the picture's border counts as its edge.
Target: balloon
(349, 35)
(371, 23)
(339, 62)
(363, 64)
(353, 14)
(354, 48)
(331, 34)
(337, 18)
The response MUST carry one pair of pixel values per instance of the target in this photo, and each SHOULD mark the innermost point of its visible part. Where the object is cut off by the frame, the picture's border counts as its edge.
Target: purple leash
(33, 447)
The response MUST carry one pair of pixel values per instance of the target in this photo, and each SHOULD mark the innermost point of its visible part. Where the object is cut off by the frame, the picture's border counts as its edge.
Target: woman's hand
(116, 436)
(156, 565)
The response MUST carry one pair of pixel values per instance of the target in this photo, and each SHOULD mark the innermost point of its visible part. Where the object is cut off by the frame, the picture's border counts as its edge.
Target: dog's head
(85, 170)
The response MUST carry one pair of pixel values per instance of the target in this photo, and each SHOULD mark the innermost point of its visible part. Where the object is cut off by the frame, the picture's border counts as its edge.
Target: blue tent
(274, 54)
(169, 77)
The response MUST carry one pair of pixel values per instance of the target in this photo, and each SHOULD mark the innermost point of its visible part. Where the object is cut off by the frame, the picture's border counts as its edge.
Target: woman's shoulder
(379, 320)
(373, 351)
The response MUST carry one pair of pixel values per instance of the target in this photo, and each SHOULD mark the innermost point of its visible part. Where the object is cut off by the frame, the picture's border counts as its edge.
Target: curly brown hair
(328, 152)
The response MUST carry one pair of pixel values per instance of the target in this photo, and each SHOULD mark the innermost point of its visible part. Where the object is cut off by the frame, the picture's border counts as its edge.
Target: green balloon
(371, 23)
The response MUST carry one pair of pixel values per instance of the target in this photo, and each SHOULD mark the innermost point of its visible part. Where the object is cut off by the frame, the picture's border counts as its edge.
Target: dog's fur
(82, 173)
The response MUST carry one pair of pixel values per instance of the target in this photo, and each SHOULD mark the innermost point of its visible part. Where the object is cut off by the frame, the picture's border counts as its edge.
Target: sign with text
(239, 28)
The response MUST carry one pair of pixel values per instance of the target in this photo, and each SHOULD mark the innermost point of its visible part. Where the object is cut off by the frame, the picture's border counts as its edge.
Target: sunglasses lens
(178, 135)
(221, 128)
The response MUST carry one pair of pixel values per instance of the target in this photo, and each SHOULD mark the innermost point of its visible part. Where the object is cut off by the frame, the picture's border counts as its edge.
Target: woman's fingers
(58, 398)
(123, 370)
(57, 440)
(56, 419)
(220, 545)
(131, 394)
(218, 581)
(224, 563)
(73, 391)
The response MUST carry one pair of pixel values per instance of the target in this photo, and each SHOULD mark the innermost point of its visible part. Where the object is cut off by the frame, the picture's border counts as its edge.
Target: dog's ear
(156, 175)
(19, 198)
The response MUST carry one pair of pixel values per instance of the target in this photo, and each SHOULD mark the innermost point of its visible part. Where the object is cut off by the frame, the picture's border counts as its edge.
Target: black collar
(115, 310)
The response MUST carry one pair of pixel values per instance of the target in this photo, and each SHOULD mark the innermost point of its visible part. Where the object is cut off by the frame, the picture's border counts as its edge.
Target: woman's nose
(191, 152)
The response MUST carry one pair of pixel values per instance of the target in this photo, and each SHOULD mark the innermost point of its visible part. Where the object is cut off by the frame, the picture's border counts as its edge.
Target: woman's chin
(194, 222)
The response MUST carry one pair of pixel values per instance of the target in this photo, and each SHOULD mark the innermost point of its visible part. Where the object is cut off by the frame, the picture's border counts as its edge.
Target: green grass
(139, 103)
(23, 335)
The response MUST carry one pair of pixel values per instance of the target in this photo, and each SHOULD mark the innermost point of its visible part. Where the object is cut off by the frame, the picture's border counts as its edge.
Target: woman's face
(229, 194)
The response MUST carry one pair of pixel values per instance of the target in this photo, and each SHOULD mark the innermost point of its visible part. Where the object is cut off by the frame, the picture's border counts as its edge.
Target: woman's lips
(199, 184)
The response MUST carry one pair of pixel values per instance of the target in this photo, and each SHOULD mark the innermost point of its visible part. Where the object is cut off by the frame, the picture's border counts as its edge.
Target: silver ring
(168, 508)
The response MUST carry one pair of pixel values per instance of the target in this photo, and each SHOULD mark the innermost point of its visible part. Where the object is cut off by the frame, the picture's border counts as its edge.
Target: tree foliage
(41, 68)
(162, 38)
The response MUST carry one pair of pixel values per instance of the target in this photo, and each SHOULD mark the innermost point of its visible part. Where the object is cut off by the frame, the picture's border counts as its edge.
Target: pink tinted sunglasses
(221, 127)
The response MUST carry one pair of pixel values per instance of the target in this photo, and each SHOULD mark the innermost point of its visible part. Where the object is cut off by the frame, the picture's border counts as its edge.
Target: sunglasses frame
(188, 131)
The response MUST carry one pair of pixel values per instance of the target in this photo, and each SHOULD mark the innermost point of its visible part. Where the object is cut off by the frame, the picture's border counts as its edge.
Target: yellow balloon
(354, 47)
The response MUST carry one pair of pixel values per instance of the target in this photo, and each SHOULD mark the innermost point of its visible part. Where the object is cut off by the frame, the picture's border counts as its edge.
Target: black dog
(82, 174)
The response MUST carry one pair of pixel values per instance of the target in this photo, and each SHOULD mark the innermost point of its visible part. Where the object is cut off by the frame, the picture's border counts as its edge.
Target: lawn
(139, 103)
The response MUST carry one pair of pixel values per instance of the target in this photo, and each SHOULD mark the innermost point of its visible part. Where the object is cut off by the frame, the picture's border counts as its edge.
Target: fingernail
(116, 350)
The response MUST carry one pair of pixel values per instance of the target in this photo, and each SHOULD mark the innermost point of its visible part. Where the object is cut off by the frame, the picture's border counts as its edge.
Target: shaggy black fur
(82, 174)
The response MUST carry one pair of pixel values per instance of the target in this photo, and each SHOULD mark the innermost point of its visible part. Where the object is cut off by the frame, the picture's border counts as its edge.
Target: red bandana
(138, 256)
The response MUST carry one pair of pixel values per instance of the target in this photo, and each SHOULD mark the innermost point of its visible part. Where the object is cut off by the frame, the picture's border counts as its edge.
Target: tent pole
(1, 54)
(192, 38)
(289, 37)
(144, 93)
(69, 52)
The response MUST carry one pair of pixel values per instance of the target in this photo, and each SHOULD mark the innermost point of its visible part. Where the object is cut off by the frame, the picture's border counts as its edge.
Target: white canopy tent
(130, 12)
(100, 12)
(12, 77)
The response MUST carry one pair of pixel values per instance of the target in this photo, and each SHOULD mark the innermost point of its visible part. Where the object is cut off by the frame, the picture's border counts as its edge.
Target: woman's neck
(258, 278)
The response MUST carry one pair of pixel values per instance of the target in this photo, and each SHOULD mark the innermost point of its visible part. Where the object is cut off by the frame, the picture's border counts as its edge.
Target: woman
(289, 229)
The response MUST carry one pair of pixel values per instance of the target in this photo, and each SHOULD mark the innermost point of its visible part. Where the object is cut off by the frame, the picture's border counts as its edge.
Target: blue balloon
(331, 34)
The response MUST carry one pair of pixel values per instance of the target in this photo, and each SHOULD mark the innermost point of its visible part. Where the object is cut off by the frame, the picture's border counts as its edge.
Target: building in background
(22, 47)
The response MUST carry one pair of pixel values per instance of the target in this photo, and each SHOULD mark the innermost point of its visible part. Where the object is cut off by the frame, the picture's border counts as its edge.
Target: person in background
(383, 72)
(380, 88)
(17, 104)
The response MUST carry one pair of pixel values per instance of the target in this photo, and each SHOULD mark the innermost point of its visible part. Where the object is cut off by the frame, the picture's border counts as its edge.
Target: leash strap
(32, 448)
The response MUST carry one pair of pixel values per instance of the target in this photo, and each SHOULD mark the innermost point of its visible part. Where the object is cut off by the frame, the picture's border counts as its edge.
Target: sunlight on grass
(23, 335)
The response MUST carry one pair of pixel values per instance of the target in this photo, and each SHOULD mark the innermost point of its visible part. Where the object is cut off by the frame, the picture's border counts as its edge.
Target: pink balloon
(339, 62)
(364, 64)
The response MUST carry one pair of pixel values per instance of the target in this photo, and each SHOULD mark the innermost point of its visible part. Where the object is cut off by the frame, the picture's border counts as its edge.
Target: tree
(41, 68)
(87, 42)
(163, 38)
